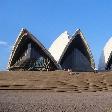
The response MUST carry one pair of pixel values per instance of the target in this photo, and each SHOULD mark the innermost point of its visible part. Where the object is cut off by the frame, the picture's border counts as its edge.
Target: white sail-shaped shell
(86, 47)
(105, 55)
(19, 41)
(59, 45)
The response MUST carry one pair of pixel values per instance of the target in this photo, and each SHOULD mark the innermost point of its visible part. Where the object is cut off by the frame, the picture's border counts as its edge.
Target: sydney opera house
(66, 52)
(105, 62)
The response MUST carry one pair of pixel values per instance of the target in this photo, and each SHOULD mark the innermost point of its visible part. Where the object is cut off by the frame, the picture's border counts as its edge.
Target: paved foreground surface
(35, 101)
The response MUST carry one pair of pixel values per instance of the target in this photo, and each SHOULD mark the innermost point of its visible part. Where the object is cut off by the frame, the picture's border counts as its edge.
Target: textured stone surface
(33, 101)
(57, 81)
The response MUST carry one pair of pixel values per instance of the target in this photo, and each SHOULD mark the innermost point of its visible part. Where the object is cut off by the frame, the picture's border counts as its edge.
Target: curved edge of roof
(18, 40)
(15, 46)
(78, 31)
(108, 59)
(105, 55)
(56, 48)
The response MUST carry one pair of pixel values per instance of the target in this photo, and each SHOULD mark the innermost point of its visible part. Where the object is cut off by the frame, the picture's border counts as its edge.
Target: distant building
(67, 53)
(105, 62)
(72, 52)
(29, 54)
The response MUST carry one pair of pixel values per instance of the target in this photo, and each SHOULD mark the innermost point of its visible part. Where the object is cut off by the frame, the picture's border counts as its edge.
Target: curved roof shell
(106, 55)
(59, 45)
(84, 48)
(21, 40)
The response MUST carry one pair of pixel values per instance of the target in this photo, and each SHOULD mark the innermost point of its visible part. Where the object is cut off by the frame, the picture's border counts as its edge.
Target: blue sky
(47, 19)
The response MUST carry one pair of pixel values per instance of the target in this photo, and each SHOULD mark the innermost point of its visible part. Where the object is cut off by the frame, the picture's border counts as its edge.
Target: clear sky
(47, 19)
